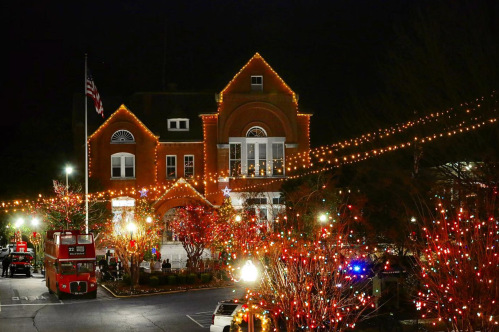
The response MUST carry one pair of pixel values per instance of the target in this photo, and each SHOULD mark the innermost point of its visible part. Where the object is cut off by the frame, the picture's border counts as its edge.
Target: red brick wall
(144, 151)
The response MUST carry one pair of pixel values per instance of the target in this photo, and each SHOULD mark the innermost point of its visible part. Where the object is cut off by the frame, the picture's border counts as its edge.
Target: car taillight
(213, 319)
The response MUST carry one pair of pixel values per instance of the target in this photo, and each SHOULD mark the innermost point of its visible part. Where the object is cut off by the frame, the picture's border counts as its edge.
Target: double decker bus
(70, 263)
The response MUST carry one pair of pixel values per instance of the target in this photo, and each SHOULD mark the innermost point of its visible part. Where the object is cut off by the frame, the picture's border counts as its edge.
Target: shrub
(181, 279)
(127, 280)
(154, 282)
(172, 280)
(191, 278)
(144, 278)
(205, 278)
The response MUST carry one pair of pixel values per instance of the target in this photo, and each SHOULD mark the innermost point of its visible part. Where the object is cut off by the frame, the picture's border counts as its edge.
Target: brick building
(204, 142)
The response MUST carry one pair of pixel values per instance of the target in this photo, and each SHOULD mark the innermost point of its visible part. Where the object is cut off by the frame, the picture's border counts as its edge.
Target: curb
(160, 293)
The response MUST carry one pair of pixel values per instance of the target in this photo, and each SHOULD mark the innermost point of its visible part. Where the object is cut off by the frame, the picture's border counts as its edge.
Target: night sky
(329, 52)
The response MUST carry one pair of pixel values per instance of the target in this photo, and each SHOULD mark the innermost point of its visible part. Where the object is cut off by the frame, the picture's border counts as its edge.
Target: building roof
(155, 108)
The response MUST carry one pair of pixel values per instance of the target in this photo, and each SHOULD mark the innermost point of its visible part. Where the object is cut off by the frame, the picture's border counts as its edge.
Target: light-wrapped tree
(132, 234)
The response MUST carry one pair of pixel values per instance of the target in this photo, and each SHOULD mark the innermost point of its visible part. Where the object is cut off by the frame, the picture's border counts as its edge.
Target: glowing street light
(238, 218)
(149, 220)
(249, 272)
(131, 227)
(19, 222)
(322, 218)
(35, 221)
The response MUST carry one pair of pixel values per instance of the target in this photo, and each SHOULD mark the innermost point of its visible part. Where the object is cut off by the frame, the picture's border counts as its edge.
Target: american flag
(92, 92)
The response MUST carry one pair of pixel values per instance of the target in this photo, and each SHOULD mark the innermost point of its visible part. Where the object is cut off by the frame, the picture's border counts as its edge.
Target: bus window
(67, 268)
(68, 239)
(85, 267)
(84, 239)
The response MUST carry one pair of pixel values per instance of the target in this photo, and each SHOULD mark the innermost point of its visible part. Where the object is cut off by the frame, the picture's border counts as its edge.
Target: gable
(120, 114)
(257, 66)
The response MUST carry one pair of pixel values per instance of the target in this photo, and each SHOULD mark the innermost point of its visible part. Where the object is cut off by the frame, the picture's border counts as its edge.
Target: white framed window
(277, 159)
(122, 137)
(171, 167)
(255, 156)
(188, 166)
(179, 124)
(256, 83)
(122, 166)
(235, 159)
(256, 132)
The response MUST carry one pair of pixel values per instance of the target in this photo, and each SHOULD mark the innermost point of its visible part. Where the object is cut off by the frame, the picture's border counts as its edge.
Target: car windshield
(21, 258)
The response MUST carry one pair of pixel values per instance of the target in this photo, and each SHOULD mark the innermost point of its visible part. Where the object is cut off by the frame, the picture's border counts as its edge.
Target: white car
(222, 317)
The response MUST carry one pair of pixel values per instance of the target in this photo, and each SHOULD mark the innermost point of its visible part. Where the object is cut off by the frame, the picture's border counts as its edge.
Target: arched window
(256, 132)
(122, 137)
(122, 166)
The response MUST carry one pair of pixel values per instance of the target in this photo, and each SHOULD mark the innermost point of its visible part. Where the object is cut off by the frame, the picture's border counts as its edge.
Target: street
(26, 305)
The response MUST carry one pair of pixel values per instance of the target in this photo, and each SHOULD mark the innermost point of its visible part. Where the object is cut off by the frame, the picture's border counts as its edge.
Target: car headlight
(63, 286)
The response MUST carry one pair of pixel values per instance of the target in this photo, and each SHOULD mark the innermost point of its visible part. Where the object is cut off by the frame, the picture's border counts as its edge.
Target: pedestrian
(157, 265)
(5, 266)
(163, 266)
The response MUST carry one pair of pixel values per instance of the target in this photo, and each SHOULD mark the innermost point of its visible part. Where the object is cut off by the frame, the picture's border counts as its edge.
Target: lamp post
(131, 228)
(34, 223)
(249, 274)
(69, 170)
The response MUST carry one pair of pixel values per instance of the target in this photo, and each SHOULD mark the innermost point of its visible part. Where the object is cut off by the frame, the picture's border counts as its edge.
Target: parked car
(21, 263)
(222, 317)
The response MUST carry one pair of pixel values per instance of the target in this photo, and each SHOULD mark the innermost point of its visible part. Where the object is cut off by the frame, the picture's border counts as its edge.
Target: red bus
(70, 263)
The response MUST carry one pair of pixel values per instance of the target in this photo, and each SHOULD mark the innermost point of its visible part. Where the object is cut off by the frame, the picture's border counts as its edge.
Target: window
(189, 166)
(178, 124)
(277, 158)
(122, 165)
(277, 200)
(235, 159)
(256, 201)
(171, 167)
(256, 158)
(122, 137)
(257, 83)
(256, 132)
(257, 155)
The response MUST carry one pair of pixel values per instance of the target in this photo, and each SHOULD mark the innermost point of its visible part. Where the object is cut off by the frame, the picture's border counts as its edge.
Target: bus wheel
(60, 294)
(93, 295)
(28, 274)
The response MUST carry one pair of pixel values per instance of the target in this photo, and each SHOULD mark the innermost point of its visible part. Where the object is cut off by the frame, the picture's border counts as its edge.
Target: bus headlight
(63, 286)
(92, 285)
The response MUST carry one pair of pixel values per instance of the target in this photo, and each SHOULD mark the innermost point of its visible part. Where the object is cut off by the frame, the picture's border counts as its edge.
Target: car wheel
(28, 274)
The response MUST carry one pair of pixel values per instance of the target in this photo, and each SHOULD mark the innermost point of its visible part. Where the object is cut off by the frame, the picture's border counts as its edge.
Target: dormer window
(257, 83)
(178, 124)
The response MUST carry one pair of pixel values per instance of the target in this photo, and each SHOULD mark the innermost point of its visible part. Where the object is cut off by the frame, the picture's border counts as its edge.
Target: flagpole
(86, 150)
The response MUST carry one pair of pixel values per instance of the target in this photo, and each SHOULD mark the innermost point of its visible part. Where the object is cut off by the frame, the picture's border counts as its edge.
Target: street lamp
(69, 170)
(249, 274)
(149, 220)
(34, 240)
(322, 218)
(131, 228)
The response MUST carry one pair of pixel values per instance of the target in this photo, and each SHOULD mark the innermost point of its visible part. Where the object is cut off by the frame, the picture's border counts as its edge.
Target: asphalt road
(26, 306)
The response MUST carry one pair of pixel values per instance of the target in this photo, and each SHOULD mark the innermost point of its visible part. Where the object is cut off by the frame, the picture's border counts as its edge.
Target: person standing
(5, 266)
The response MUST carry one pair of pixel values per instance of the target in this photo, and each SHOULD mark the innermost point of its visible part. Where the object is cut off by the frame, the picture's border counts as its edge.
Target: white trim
(269, 156)
(257, 87)
(122, 155)
(125, 141)
(177, 122)
(76, 259)
(193, 163)
(166, 160)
